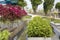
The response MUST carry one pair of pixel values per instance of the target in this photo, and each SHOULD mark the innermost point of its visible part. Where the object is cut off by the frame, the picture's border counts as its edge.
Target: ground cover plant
(52, 19)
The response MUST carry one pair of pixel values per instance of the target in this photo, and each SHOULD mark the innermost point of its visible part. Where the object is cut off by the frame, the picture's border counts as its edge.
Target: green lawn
(52, 19)
(57, 21)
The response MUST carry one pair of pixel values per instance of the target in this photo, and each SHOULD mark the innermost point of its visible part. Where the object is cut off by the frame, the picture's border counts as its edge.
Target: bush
(11, 12)
(4, 35)
(39, 27)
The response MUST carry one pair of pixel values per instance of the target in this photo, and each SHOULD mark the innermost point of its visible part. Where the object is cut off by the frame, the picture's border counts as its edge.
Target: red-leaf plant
(11, 12)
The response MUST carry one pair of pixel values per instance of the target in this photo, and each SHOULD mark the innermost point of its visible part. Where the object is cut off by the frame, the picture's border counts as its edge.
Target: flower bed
(10, 17)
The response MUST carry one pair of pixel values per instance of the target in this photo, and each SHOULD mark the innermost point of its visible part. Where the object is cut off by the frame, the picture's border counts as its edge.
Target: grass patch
(52, 19)
(26, 17)
(56, 21)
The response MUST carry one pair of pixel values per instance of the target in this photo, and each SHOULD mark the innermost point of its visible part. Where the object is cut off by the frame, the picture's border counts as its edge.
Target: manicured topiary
(39, 27)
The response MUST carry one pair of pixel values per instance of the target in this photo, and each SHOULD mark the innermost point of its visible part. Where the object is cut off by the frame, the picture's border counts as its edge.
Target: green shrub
(4, 35)
(39, 27)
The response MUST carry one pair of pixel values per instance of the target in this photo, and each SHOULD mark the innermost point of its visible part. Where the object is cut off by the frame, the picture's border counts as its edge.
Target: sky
(40, 6)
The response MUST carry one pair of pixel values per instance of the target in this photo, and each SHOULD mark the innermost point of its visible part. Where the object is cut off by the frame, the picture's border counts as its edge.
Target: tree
(22, 3)
(48, 5)
(35, 4)
(58, 6)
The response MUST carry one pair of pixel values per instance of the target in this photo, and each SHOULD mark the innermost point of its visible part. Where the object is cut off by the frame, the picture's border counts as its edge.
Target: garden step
(56, 28)
(11, 29)
(17, 31)
(1, 29)
(55, 37)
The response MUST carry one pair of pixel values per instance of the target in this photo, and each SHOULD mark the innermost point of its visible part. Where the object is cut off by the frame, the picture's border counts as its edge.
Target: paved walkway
(55, 37)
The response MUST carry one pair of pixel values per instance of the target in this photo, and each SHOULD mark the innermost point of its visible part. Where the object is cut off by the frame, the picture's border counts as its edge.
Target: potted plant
(39, 29)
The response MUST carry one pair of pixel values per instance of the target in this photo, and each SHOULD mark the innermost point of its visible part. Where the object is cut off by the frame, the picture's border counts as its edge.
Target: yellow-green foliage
(39, 27)
(4, 35)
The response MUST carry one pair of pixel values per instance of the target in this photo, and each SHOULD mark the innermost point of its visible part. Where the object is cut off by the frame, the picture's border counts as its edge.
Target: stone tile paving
(55, 37)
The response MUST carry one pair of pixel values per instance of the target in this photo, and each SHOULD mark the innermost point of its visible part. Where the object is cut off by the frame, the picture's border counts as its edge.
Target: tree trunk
(59, 13)
(46, 13)
(34, 12)
(34, 8)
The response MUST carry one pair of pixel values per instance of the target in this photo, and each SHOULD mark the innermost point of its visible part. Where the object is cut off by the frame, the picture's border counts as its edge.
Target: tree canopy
(22, 3)
(58, 6)
(35, 4)
(48, 4)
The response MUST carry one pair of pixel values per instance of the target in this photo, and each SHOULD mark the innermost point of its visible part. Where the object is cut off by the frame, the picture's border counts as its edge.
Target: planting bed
(39, 29)
(16, 31)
